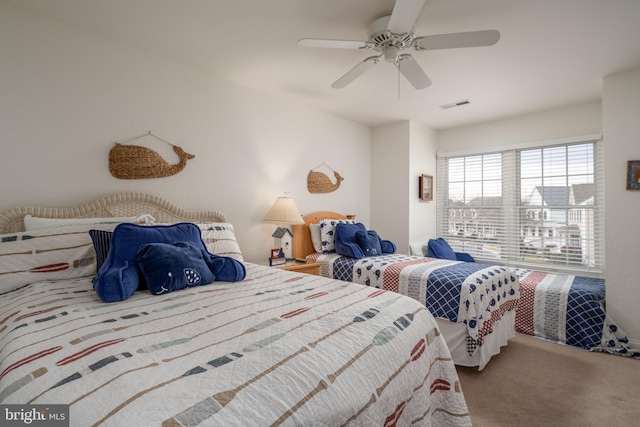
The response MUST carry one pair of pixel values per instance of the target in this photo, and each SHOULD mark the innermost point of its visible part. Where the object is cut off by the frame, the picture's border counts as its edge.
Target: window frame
(512, 202)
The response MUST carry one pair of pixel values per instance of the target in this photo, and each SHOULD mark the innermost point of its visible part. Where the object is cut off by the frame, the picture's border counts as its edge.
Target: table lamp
(284, 212)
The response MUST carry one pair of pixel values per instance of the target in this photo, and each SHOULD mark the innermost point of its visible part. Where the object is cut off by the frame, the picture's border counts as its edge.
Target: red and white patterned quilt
(568, 309)
(472, 294)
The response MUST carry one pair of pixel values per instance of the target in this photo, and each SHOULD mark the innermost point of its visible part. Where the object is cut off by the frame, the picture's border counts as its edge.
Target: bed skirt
(455, 335)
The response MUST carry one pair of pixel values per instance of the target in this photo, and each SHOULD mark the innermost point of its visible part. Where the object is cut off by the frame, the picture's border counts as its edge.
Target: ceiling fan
(392, 34)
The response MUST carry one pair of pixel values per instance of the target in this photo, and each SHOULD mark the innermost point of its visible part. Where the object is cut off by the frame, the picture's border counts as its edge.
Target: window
(534, 207)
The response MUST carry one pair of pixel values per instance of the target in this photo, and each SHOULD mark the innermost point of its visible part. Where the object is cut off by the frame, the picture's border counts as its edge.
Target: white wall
(422, 160)
(554, 124)
(621, 119)
(389, 182)
(401, 152)
(66, 96)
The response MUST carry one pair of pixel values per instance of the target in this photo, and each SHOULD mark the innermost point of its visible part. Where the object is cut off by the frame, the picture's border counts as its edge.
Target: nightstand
(309, 267)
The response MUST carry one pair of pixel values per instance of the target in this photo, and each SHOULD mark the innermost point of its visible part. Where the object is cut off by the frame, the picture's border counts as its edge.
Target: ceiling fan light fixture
(390, 35)
(380, 37)
(391, 54)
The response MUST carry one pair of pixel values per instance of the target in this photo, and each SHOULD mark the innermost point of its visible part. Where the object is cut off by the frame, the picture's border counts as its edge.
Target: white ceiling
(552, 53)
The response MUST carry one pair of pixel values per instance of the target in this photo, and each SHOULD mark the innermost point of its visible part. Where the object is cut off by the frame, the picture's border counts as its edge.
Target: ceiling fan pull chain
(398, 69)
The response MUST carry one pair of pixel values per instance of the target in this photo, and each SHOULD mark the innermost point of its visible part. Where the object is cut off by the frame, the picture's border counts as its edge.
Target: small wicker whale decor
(318, 182)
(136, 162)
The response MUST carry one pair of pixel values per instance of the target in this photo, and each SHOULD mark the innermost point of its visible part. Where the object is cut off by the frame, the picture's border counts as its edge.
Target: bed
(275, 348)
(474, 304)
(570, 310)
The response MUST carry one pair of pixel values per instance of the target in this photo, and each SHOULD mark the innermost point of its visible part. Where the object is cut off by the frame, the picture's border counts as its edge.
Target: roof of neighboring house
(554, 196)
(561, 196)
(582, 193)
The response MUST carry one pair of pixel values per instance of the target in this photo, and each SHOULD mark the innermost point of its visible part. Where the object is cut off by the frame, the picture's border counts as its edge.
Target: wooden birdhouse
(283, 238)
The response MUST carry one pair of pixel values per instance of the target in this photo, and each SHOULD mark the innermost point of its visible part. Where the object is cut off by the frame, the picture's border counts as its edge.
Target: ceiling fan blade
(413, 72)
(404, 16)
(455, 40)
(355, 72)
(339, 44)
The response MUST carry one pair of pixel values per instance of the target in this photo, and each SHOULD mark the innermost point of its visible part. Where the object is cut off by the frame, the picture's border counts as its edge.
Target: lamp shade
(283, 212)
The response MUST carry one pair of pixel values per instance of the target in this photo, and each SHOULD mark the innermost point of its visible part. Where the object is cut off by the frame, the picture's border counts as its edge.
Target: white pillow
(52, 253)
(34, 223)
(328, 233)
(419, 248)
(316, 239)
(220, 239)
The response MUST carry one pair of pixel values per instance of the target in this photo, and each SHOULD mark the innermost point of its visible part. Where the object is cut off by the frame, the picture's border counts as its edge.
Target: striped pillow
(101, 243)
(220, 239)
(47, 254)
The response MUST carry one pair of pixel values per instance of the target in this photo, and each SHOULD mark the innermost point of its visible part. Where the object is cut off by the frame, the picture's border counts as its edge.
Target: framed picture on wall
(426, 187)
(633, 175)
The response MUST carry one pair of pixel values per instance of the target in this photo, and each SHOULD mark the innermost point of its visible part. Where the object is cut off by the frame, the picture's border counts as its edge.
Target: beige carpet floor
(537, 383)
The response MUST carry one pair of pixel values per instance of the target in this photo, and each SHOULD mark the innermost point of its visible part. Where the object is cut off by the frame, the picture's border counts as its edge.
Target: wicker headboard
(114, 205)
(302, 245)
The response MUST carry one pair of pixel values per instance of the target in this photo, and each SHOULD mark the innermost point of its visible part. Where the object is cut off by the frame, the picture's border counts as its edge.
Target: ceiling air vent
(455, 104)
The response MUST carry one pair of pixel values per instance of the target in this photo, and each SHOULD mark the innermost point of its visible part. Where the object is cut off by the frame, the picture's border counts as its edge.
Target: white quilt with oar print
(279, 348)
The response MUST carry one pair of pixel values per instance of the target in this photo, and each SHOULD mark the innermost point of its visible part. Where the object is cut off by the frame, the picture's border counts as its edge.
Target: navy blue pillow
(120, 277)
(369, 242)
(388, 247)
(439, 248)
(345, 240)
(169, 267)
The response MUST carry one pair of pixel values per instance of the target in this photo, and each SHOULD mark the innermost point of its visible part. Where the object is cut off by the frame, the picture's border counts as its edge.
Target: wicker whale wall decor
(136, 162)
(318, 182)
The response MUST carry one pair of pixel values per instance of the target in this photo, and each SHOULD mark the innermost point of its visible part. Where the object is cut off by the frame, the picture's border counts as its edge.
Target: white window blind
(535, 207)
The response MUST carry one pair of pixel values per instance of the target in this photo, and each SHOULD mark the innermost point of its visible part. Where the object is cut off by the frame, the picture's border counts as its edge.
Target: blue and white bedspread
(569, 310)
(476, 295)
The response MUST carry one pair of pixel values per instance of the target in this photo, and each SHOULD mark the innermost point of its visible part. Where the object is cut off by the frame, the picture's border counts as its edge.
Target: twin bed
(275, 348)
(474, 304)
(478, 307)
(568, 309)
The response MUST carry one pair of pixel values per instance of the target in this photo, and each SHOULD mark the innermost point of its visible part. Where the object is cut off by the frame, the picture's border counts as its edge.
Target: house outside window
(531, 207)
